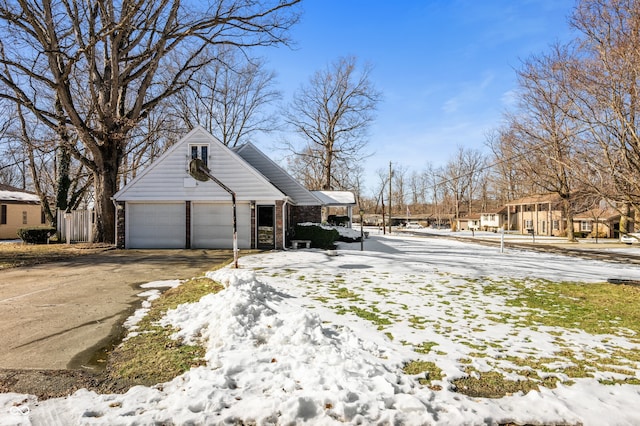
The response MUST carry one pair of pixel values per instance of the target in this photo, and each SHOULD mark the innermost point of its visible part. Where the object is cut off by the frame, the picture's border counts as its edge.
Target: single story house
(470, 222)
(18, 209)
(603, 222)
(165, 207)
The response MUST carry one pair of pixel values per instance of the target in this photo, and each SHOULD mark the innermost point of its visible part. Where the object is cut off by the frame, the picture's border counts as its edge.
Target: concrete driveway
(58, 315)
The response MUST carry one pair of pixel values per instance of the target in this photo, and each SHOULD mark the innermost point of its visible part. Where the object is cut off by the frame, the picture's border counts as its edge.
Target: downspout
(284, 223)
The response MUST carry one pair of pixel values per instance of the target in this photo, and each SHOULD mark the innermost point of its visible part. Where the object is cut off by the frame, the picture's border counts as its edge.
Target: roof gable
(167, 178)
(298, 194)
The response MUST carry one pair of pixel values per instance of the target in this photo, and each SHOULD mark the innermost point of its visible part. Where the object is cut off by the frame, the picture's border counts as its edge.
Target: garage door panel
(212, 225)
(156, 225)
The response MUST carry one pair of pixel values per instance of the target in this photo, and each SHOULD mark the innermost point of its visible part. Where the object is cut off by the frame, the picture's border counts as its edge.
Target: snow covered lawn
(300, 336)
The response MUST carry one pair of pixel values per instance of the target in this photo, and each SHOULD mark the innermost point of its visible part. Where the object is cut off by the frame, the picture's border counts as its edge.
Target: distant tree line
(574, 131)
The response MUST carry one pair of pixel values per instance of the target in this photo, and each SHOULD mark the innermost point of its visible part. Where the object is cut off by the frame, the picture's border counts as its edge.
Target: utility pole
(390, 176)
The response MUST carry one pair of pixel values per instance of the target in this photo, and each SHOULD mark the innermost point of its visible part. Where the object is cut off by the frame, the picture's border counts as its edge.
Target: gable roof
(168, 179)
(282, 180)
(12, 194)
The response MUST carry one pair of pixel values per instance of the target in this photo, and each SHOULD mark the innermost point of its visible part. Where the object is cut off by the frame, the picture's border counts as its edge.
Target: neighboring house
(538, 214)
(603, 221)
(471, 222)
(493, 220)
(18, 209)
(164, 207)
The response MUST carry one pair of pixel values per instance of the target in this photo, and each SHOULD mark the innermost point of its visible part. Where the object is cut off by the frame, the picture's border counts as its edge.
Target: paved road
(57, 315)
(608, 252)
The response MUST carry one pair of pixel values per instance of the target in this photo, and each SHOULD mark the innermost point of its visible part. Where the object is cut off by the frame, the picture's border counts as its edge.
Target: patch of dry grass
(152, 356)
(13, 255)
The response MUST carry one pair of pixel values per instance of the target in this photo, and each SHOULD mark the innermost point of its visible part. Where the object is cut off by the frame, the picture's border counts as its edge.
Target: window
(556, 225)
(3, 214)
(201, 152)
(528, 224)
(43, 217)
(24, 218)
(585, 225)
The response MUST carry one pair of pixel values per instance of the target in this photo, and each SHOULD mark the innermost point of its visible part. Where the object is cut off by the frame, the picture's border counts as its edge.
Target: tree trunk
(568, 213)
(105, 178)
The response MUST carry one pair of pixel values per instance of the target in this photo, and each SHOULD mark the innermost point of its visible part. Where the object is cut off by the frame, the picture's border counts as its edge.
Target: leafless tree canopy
(228, 98)
(107, 65)
(331, 115)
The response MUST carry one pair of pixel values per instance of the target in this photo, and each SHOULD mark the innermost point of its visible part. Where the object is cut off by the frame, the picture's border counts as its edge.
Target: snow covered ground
(304, 337)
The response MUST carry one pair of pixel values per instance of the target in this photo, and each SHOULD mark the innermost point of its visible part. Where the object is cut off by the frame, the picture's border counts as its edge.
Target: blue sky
(445, 67)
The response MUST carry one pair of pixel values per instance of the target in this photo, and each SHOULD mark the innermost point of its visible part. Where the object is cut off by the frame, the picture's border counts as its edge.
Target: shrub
(36, 235)
(320, 237)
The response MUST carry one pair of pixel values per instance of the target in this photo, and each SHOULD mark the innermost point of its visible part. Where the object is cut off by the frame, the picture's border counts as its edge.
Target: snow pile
(280, 363)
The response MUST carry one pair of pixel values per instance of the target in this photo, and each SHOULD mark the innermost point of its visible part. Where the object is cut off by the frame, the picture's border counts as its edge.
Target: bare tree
(332, 114)
(461, 177)
(228, 98)
(399, 183)
(508, 183)
(109, 64)
(545, 133)
(607, 75)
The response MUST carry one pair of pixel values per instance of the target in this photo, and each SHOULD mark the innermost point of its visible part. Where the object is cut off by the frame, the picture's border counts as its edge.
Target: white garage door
(212, 225)
(156, 225)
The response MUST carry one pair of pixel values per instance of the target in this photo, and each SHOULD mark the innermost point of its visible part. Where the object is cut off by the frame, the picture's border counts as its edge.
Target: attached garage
(212, 225)
(167, 205)
(156, 225)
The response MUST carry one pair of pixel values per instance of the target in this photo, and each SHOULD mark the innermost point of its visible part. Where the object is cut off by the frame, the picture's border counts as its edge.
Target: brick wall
(301, 214)
(120, 225)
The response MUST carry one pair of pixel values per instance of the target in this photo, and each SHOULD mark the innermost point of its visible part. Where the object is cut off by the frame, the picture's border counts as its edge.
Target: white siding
(165, 178)
(212, 225)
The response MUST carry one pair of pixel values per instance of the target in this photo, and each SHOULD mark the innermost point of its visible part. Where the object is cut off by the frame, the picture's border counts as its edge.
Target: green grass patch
(429, 369)
(595, 308)
(492, 384)
(425, 347)
(345, 293)
(370, 316)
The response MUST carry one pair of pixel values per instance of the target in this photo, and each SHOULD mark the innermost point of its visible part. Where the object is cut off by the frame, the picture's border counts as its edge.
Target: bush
(319, 237)
(36, 235)
(336, 220)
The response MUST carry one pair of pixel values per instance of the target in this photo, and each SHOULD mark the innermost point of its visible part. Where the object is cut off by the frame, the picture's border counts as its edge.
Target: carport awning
(335, 198)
